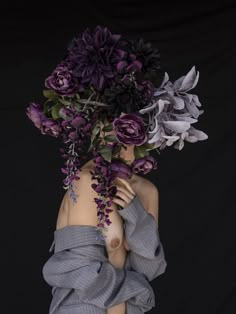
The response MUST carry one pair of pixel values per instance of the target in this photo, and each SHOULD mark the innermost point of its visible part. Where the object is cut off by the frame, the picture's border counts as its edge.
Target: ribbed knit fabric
(85, 282)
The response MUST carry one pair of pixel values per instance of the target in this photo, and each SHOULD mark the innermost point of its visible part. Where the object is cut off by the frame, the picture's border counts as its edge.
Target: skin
(126, 191)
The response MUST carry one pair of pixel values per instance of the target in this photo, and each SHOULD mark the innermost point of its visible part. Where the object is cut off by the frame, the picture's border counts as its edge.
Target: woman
(84, 212)
(94, 268)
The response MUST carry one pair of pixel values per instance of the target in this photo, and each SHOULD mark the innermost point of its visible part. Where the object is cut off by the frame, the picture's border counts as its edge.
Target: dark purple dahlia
(125, 96)
(131, 64)
(146, 54)
(95, 56)
(140, 52)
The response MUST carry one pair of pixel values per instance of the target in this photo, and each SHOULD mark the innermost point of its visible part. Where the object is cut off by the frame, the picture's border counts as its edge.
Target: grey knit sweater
(85, 282)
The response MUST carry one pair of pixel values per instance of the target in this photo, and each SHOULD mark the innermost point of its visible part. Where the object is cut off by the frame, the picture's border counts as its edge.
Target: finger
(123, 196)
(125, 191)
(127, 184)
(118, 201)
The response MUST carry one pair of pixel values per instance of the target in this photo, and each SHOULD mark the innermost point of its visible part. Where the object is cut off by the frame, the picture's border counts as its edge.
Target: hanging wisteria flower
(44, 124)
(144, 165)
(76, 129)
(173, 111)
(129, 129)
(62, 81)
(95, 56)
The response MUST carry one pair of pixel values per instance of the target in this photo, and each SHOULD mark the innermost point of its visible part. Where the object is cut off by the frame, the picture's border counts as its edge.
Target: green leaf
(95, 132)
(77, 96)
(148, 145)
(106, 153)
(140, 151)
(107, 128)
(64, 101)
(45, 107)
(110, 138)
(77, 105)
(157, 151)
(55, 111)
(50, 93)
(95, 143)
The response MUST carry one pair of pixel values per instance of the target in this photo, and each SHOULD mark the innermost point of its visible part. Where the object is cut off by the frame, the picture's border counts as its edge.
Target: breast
(114, 233)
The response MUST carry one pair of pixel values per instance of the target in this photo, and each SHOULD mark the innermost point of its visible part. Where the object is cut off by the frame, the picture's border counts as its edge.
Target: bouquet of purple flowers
(106, 77)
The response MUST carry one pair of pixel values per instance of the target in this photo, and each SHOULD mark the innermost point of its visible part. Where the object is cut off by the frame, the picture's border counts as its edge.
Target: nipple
(115, 243)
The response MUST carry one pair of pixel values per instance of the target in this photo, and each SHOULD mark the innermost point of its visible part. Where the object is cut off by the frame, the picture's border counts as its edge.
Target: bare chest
(114, 234)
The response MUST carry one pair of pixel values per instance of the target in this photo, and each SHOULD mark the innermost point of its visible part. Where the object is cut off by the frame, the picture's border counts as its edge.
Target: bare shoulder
(84, 210)
(146, 187)
(149, 196)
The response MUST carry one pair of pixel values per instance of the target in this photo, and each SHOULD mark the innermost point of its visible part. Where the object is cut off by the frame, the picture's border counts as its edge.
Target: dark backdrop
(197, 199)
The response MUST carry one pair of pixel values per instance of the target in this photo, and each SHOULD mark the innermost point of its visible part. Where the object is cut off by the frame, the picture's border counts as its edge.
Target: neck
(127, 154)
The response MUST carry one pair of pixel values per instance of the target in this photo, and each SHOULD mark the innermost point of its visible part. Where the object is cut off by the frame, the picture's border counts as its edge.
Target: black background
(196, 185)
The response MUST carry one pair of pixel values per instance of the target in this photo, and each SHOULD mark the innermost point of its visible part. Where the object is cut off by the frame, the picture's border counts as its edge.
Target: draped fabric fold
(84, 281)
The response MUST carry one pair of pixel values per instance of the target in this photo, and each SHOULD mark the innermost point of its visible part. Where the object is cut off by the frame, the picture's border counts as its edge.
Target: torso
(115, 237)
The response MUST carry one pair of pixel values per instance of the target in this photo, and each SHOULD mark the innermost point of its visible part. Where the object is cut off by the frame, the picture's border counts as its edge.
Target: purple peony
(95, 56)
(46, 125)
(144, 165)
(129, 129)
(62, 81)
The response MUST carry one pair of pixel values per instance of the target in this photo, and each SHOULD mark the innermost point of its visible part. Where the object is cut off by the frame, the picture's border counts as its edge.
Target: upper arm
(84, 210)
(153, 207)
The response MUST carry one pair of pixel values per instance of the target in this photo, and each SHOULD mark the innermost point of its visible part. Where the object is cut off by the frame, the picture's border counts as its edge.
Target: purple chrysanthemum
(95, 56)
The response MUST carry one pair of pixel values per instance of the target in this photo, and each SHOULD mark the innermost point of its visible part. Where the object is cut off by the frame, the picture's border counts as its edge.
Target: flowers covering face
(105, 77)
(127, 96)
(95, 56)
(173, 111)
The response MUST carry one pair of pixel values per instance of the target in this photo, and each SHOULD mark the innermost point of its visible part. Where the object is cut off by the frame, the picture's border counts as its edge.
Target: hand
(125, 192)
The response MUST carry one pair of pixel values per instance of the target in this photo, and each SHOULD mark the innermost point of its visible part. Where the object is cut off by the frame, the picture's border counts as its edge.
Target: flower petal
(187, 82)
(171, 139)
(165, 80)
(177, 126)
(196, 135)
(179, 102)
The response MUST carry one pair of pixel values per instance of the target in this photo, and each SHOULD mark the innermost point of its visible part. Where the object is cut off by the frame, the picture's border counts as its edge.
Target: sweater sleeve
(96, 281)
(146, 253)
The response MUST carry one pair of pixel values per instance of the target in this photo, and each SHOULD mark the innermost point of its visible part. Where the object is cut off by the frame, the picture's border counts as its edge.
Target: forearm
(117, 259)
(146, 253)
